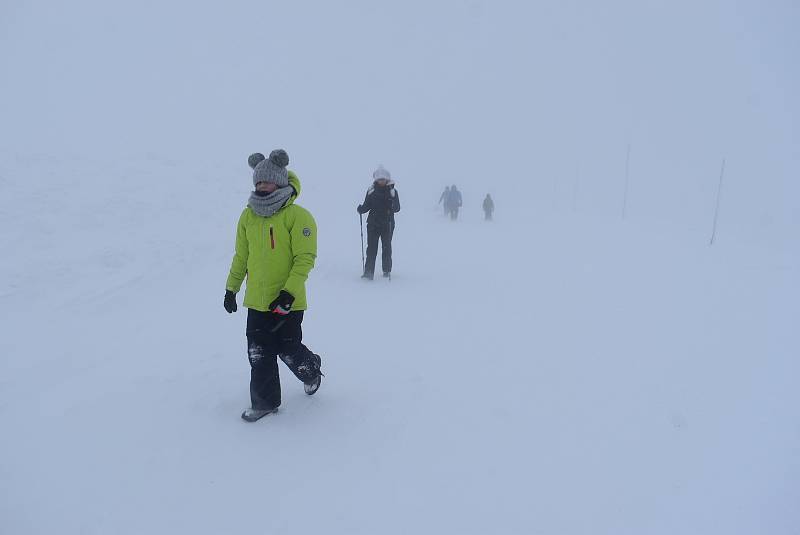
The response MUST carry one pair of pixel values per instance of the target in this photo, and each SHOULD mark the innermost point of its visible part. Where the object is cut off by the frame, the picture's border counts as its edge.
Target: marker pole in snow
(555, 191)
(575, 188)
(625, 196)
(361, 220)
(716, 211)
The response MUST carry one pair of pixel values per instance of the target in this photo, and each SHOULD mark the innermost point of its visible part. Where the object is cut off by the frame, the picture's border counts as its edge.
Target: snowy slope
(556, 371)
(548, 372)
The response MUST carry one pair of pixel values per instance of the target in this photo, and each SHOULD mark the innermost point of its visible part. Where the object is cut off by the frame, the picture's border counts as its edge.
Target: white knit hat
(381, 173)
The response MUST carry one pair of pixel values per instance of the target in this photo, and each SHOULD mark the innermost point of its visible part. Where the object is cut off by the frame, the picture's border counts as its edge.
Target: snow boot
(368, 276)
(252, 415)
(312, 387)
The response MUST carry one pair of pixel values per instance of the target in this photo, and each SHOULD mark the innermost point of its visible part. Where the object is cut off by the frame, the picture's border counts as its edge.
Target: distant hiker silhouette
(443, 199)
(488, 207)
(453, 202)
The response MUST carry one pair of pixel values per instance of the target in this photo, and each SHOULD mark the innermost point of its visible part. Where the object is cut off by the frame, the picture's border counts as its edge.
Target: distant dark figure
(488, 207)
(443, 199)
(382, 202)
(453, 202)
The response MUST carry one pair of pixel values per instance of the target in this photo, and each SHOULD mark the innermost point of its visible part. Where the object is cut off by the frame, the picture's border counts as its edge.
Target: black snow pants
(383, 232)
(268, 339)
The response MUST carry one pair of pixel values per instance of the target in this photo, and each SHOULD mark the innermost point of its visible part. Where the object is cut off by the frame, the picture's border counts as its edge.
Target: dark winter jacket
(382, 202)
(453, 199)
(488, 204)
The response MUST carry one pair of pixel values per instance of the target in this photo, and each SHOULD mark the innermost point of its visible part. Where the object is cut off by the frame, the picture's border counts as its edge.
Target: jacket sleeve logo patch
(306, 232)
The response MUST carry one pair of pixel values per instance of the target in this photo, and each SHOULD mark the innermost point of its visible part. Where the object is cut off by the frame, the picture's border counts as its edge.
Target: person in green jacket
(276, 246)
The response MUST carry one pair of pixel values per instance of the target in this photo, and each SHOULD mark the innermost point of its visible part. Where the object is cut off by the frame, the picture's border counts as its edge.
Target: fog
(512, 94)
(558, 370)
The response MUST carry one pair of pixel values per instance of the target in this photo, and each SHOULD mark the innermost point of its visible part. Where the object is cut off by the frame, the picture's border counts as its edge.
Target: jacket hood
(294, 182)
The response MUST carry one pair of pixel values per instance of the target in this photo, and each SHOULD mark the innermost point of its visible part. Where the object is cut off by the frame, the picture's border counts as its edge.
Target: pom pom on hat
(254, 159)
(279, 157)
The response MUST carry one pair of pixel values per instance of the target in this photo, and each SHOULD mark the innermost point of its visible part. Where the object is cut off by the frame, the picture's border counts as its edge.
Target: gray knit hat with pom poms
(272, 169)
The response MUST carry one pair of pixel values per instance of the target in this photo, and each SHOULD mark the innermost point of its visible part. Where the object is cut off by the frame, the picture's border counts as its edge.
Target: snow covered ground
(550, 372)
(558, 371)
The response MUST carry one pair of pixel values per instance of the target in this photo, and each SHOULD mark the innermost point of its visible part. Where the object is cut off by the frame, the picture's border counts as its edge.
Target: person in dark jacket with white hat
(381, 202)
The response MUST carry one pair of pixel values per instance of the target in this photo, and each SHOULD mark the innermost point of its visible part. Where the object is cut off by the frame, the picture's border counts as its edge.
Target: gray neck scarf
(267, 206)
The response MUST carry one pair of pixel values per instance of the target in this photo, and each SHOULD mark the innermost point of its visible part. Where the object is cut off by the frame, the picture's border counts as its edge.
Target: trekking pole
(361, 220)
(627, 177)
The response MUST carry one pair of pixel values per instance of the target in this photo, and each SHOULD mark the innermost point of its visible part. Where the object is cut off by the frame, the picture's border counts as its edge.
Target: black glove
(230, 301)
(283, 304)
